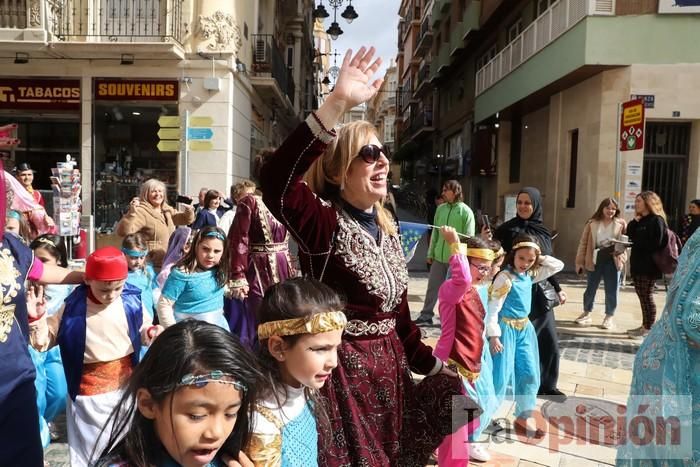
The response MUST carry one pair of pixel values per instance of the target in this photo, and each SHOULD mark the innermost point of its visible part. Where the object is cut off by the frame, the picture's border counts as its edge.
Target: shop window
(573, 168)
(126, 154)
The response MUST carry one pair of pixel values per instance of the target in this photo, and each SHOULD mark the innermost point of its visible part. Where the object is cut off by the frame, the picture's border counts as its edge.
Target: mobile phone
(485, 221)
(183, 199)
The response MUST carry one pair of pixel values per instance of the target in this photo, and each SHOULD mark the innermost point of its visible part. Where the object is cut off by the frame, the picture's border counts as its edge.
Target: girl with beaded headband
(188, 402)
(141, 272)
(512, 337)
(195, 286)
(300, 329)
(462, 337)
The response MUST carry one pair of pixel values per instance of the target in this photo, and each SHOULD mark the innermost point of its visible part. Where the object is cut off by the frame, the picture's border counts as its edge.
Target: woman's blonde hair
(241, 188)
(327, 175)
(653, 203)
(150, 185)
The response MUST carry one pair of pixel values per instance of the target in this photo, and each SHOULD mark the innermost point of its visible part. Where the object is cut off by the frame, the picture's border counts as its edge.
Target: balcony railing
(116, 20)
(267, 60)
(14, 14)
(422, 120)
(425, 38)
(423, 77)
(555, 21)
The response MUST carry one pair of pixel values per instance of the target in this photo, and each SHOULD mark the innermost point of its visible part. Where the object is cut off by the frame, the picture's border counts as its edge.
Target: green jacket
(457, 215)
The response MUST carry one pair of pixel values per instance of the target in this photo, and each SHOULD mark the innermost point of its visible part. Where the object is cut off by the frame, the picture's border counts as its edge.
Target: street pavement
(595, 372)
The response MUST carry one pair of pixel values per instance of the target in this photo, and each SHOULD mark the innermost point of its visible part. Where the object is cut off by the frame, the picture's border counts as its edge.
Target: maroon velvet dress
(378, 415)
(259, 258)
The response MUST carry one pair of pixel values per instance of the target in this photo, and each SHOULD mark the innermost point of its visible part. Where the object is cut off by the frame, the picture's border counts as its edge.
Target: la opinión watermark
(648, 427)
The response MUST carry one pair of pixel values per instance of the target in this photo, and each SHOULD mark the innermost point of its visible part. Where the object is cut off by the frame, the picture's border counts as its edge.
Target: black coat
(648, 235)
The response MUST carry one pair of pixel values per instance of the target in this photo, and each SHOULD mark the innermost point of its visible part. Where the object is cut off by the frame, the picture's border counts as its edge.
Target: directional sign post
(199, 133)
(169, 133)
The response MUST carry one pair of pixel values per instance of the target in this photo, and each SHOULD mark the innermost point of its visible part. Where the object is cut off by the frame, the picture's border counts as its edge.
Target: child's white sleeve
(497, 296)
(165, 309)
(549, 265)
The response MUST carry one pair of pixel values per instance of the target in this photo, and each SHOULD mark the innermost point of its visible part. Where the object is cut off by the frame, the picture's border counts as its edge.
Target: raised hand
(36, 302)
(352, 87)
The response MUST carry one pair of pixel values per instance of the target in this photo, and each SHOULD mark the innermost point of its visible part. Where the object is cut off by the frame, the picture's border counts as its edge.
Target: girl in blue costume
(195, 287)
(666, 375)
(141, 272)
(485, 392)
(300, 329)
(188, 402)
(512, 337)
(50, 380)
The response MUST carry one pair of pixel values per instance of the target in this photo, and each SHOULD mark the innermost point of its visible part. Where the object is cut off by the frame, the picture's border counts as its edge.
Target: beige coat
(586, 246)
(155, 227)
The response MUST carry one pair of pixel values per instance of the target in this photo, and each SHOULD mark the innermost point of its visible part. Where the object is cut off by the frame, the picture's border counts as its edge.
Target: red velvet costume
(259, 258)
(469, 333)
(378, 415)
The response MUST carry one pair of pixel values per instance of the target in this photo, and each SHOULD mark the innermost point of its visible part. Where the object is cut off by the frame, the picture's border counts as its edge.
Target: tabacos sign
(40, 94)
(136, 90)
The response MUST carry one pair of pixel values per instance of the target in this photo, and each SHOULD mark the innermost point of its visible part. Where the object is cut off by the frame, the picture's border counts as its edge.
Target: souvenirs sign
(139, 90)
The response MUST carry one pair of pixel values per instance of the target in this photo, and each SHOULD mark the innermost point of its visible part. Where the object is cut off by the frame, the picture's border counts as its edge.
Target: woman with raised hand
(378, 415)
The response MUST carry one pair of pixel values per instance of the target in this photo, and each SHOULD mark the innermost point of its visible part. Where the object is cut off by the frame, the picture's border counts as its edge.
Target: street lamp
(320, 12)
(350, 14)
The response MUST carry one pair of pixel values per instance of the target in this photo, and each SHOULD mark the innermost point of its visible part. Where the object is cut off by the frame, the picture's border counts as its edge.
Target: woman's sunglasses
(370, 153)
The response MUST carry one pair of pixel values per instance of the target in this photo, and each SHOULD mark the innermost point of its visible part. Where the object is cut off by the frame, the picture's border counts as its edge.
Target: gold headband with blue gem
(316, 324)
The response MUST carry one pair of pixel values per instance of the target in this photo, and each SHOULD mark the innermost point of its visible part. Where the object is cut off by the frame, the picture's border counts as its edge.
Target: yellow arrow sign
(201, 145)
(169, 145)
(201, 121)
(169, 133)
(169, 121)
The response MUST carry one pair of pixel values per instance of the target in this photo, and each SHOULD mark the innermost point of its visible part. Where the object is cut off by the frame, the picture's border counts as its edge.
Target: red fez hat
(106, 264)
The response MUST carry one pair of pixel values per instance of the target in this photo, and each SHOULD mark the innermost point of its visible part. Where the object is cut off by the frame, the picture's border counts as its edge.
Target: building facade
(533, 89)
(381, 111)
(114, 84)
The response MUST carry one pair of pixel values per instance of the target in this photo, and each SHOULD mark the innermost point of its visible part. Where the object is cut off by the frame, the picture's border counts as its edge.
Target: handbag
(546, 297)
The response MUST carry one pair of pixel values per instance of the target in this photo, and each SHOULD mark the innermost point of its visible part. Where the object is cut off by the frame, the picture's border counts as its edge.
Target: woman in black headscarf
(528, 220)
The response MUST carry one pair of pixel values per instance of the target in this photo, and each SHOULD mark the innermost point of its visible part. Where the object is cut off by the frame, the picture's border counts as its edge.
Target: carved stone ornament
(222, 32)
(34, 14)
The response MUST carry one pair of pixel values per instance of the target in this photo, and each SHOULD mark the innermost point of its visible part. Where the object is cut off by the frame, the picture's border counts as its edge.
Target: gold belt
(516, 323)
(268, 247)
(357, 327)
(469, 375)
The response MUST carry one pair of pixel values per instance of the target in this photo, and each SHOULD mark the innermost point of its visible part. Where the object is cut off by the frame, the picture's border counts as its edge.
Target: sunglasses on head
(370, 153)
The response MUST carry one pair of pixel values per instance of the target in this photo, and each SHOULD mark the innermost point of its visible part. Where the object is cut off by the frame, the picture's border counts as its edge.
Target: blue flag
(411, 233)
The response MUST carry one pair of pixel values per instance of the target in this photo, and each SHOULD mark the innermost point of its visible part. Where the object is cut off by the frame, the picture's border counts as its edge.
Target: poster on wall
(679, 6)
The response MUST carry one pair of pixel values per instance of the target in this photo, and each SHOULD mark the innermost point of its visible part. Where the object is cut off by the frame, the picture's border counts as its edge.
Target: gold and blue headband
(216, 376)
(135, 253)
(215, 234)
(47, 241)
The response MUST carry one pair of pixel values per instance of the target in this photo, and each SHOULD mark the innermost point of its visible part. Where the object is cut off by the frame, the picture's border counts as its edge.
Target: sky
(376, 26)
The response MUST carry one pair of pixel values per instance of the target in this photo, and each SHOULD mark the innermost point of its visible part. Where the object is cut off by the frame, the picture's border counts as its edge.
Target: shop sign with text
(52, 94)
(142, 90)
(632, 125)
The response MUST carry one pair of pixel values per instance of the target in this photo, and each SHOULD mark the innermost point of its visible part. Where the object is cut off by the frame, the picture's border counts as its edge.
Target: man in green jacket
(454, 213)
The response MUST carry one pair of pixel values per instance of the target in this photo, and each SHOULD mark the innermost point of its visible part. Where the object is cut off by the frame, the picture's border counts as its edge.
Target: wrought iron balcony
(113, 20)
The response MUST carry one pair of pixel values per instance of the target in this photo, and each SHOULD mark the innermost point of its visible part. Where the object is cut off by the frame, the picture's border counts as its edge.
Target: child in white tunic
(100, 330)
